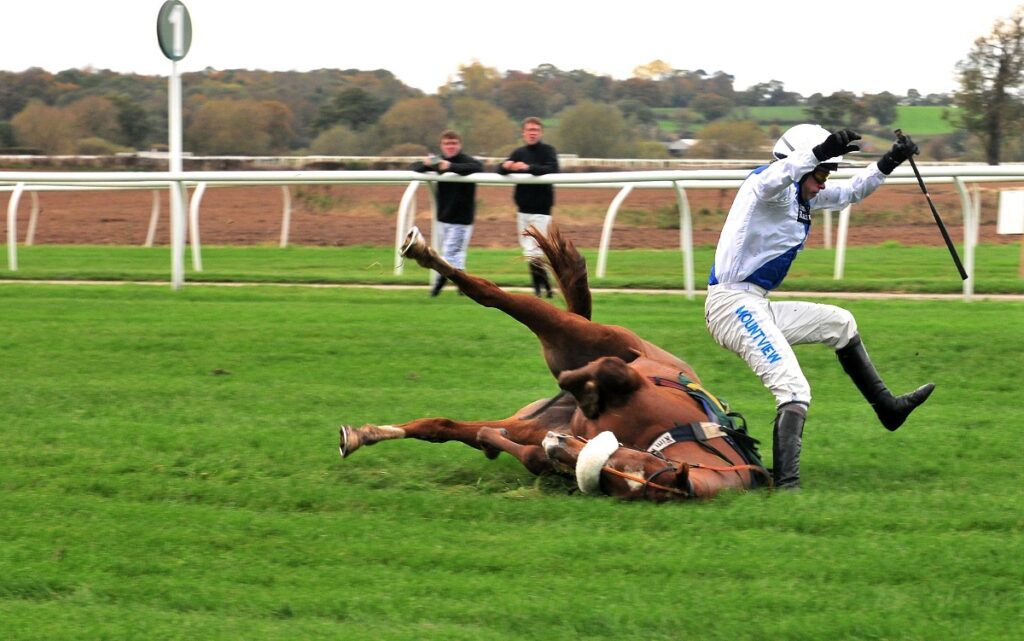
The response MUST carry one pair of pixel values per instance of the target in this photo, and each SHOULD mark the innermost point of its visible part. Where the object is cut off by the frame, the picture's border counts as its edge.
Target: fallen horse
(632, 420)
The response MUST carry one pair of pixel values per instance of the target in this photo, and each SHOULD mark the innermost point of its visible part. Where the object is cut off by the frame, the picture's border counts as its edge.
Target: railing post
(685, 239)
(286, 215)
(402, 224)
(966, 209)
(606, 231)
(154, 218)
(33, 217)
(844, 226)
(435, 229)
(177, 198)
(12, 227)
(193, 226)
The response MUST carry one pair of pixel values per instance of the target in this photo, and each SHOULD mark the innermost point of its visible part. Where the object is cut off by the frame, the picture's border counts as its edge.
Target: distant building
(681, 146)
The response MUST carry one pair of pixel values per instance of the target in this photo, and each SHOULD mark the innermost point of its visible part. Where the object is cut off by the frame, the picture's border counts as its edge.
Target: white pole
(286, 215)
(685, 238)
(193, 226)
(406, 217)
(844, 226)
(606, 230)
(177, 235)
(177, 197)
(12, 227)
(154, 218)
(30, 235)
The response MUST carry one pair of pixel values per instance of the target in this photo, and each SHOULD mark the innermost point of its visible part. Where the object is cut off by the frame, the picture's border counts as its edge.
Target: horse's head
(621, 397)
(602, 384)
(602, 466)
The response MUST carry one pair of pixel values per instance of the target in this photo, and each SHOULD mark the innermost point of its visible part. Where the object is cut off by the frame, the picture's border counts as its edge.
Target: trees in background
(523, 98)
(412, 120)
(354, 112)
(991, 78)
(733, 139)
(239, 127)
(46, 128)
(339, 140)
(485, 128)
(353, 107)
(593, 130)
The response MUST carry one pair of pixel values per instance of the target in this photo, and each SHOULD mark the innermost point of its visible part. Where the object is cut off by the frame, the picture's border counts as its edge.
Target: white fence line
(679, 180)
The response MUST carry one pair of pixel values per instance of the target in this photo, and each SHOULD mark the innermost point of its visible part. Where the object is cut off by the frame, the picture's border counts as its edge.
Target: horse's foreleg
(352, 438)
(494, 441)
(437, 430)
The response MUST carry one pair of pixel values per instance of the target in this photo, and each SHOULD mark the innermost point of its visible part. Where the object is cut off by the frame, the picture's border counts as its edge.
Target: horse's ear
(584, 388)
(589, 399)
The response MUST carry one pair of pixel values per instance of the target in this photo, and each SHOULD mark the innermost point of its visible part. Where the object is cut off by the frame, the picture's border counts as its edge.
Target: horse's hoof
(415, 246)
(349, 441)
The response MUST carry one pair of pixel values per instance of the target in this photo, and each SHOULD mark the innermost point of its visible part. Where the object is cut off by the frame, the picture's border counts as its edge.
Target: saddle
(722, 422)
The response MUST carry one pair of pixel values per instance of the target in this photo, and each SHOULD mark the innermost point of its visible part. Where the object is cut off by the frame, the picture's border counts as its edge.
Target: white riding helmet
(803, 136)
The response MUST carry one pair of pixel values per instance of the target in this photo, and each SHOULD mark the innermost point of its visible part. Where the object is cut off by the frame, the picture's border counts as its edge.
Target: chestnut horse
(632, 420)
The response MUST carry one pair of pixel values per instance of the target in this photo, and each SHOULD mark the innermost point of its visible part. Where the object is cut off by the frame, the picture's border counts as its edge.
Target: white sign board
(1011, 212)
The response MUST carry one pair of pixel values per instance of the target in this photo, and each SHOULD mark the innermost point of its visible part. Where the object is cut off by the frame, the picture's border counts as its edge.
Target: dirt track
(365, 214)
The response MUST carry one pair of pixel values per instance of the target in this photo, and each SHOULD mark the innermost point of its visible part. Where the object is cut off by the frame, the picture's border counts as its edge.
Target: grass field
(886, 267)
(170, 471)
(920, 120)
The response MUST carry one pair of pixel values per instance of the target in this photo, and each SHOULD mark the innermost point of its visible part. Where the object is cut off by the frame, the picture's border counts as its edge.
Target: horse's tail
(568, 266)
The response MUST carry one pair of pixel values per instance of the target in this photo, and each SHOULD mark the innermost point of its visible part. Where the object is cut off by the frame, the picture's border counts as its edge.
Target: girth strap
(690, 432)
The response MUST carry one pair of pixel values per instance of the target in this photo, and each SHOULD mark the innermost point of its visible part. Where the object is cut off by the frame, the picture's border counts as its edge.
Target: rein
(647, 482)
(673, 466)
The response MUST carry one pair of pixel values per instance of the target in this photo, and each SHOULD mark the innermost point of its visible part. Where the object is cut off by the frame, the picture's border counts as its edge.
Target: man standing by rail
(534, 202)
(456, 202)
(766, 227)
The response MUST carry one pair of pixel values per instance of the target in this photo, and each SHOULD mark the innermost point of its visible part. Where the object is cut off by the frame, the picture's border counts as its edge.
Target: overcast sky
(863, 46)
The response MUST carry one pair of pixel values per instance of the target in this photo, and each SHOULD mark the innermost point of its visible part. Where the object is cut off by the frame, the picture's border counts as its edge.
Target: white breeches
(529, 245)
(455, 243)
(742, 319)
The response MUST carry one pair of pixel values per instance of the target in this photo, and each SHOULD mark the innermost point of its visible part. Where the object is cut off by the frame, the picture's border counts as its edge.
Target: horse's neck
(667, 359)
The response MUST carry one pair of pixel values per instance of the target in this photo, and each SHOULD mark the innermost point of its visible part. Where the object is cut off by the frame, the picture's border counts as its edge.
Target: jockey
(765, 229)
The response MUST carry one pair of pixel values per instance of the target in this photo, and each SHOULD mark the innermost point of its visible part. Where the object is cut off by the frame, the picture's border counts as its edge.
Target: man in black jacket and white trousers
(534, 202)
(456, 202)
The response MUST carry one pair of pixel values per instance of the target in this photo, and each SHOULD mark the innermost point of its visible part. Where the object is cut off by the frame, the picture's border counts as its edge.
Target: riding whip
(935, 213)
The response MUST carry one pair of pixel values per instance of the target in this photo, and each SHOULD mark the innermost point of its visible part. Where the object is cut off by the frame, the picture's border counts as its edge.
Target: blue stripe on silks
(771, 274)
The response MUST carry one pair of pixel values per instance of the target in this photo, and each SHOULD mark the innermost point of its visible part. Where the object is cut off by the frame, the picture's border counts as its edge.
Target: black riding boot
(786, 439)
(541, 284)
(891, 410)
(438, 284)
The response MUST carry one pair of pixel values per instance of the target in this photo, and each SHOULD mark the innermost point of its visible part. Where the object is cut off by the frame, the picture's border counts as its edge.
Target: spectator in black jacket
(533, 202)
(456, 202)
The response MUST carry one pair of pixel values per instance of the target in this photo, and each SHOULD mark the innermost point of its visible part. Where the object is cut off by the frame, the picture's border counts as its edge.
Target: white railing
(178, 184)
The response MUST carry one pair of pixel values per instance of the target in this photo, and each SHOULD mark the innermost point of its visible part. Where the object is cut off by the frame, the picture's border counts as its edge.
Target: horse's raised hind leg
(417, 248)
(569, 340)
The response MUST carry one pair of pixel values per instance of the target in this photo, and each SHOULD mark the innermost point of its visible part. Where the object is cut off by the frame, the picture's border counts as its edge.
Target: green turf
(886, 267)
(170, 471)
(918, 120)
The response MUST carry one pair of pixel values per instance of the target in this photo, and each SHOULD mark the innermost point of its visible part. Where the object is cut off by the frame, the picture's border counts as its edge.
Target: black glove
(901, 150)
(837, 144)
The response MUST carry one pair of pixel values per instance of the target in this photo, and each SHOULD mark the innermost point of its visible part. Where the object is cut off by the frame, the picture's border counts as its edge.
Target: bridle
(674, 466)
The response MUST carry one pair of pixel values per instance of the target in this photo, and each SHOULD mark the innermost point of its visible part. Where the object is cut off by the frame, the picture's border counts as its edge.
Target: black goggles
(820, 174)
